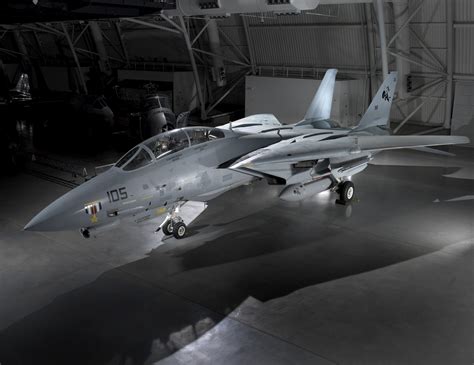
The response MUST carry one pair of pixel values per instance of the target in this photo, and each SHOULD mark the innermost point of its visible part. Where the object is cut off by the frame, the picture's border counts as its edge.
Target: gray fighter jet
(199, 163)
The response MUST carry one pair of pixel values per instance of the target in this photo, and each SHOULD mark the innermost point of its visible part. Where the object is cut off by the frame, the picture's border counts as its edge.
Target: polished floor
(388, 279)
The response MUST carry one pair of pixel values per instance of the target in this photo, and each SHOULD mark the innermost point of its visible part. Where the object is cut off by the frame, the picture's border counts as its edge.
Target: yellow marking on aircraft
(94, 219)
(160, 210)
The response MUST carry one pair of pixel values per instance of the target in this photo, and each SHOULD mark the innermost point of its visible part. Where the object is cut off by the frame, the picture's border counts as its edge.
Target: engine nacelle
(303, 191)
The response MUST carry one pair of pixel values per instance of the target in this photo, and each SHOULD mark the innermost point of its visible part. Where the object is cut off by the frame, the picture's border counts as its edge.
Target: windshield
(126, 157)
(142, 158)
(135, 158)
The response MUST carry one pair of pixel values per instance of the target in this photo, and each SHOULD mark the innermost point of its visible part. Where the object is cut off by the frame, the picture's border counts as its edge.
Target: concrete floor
(386, 280)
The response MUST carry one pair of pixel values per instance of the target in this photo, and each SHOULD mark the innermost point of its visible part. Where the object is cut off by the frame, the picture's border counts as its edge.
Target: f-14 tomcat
(199, 163)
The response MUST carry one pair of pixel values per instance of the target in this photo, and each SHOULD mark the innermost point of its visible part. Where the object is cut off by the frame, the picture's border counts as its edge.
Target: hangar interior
(386, 279)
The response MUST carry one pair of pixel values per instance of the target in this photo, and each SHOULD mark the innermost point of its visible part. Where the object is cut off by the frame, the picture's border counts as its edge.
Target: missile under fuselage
(302, 191)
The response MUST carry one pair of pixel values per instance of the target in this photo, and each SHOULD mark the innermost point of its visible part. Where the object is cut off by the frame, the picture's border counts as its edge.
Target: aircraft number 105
(117, 194)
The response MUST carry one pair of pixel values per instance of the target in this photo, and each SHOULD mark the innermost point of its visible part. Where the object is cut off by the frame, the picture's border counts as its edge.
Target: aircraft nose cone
(55, 217)
(40, 222)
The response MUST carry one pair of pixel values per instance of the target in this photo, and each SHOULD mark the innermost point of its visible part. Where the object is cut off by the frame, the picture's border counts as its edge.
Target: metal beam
(428, 85)
(449, 61)
(232, 43)
(76, 60)
(402, 41)
(371, 50)
(425, 47)
(35, 29)
(383, 40)
(38, 46)
(408, 59)
(249, 44)
(151, 25)
(432, 130)
(173, 24)
(236, 83)
(121, 37)
(395, 131)
(80, 34)
(200, 32)
(195, 70)
(429, 75)
(51, 29)
(219, 56)
(9, 51)
(406, 20)
(111, 44)
(22, 50)
(82, 50)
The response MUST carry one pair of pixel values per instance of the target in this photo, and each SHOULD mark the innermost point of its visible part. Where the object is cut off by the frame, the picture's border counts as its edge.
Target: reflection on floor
(388, 279)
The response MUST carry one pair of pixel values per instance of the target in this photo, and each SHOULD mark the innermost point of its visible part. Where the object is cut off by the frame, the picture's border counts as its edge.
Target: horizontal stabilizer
(253, 124)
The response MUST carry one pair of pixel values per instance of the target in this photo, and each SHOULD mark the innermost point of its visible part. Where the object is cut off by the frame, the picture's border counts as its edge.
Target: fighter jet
(164, 172)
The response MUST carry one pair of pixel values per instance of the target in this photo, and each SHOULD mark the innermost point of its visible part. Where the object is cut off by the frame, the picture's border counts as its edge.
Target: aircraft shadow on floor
(144, 311)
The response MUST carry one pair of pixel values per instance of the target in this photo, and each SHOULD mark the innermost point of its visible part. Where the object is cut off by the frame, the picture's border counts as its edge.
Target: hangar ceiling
(429, 41)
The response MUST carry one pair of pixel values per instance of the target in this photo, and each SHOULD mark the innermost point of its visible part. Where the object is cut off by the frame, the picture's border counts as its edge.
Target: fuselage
(180, 165)
(196, 172)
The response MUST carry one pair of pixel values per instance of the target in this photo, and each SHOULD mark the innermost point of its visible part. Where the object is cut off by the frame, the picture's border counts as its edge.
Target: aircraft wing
(278, 160)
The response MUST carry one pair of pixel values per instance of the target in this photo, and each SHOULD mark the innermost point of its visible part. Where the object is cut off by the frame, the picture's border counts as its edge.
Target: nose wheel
(174, 225)
(168, 227)
(179, 230)
(346, 192)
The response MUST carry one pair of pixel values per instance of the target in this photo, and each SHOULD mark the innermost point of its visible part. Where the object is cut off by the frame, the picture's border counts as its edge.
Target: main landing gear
(346, 191)
(174, 224)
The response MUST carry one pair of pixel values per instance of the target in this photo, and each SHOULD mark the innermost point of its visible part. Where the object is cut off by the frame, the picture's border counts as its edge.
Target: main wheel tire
(346, 191)
(179, 230)
(168, 228)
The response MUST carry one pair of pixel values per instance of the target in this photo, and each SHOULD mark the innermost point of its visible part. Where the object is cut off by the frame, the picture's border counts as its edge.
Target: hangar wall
(463, 112)
(288, 98)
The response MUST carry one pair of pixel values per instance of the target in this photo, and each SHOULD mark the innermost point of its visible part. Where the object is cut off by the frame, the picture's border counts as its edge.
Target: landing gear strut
(346, 192)
(174, 224)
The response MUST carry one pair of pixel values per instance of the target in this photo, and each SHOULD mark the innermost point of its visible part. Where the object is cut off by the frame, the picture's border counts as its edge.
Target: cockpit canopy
(165, 144)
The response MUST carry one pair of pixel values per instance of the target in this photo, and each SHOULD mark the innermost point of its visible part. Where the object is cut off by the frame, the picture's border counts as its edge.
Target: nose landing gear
(174, 224)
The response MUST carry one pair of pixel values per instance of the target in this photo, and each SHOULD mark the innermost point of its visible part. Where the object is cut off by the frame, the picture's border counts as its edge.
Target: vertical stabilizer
(320, 107)
(378, 113)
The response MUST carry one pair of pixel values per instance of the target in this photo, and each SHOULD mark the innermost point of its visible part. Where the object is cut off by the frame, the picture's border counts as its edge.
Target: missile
(298, 192)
